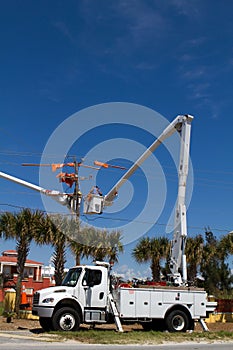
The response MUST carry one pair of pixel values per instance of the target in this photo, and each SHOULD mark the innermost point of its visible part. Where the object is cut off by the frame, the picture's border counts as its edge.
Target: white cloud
(194, 73)
(63, 28)
(188, 8)
(128, 273)
(138, 23)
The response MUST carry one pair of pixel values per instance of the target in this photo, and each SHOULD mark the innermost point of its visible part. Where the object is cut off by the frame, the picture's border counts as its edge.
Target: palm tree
(225, 248)
(226, 243)
(115, 245)
(57, 236)
(214, 268)
(194, 254)
(152, 250)
(78, 250)
(97, 243)
(79, 241)
(58, 258)
(22, 226)
(83, 242)
(104, 244)
(6, 222)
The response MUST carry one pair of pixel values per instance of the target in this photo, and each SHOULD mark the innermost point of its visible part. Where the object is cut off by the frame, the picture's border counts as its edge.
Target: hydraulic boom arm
(61, 198)
(94, 205)
(176, 125)
(178, 258)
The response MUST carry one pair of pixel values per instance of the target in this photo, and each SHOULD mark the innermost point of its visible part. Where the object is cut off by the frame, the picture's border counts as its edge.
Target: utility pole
(77, 196)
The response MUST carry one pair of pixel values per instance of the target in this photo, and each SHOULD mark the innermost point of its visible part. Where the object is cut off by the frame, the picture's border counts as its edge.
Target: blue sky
(174, 57)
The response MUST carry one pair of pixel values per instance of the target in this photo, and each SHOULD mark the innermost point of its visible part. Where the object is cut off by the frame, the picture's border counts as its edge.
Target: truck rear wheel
(66, 319)
(46, 324)
(177, 321)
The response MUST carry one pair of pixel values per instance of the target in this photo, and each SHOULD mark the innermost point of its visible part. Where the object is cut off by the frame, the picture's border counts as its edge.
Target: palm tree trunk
(23, 247)
(59, 259)
(18, 295)
(155, 269)
(78, 259)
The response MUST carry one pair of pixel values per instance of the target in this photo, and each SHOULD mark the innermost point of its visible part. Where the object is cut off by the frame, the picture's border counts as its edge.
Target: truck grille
(36, 298)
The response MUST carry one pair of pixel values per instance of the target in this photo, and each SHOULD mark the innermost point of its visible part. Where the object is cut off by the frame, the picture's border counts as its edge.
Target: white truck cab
(82, 297)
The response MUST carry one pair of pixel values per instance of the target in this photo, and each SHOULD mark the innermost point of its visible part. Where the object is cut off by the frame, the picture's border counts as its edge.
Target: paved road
(35, 345)
(24, 341)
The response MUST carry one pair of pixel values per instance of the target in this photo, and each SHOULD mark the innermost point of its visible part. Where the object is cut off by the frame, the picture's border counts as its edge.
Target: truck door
(95, 286)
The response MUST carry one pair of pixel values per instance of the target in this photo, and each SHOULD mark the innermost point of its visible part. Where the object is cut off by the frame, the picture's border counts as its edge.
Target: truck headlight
(48, 300)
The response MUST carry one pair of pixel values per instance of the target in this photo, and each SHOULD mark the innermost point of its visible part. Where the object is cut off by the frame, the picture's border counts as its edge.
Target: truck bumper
(42, 311)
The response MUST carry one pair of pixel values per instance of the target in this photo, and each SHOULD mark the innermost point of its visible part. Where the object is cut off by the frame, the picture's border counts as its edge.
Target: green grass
(141, 337)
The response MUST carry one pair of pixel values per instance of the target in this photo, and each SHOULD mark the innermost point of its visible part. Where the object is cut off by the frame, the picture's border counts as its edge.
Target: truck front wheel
(177, 321)
(66, 319)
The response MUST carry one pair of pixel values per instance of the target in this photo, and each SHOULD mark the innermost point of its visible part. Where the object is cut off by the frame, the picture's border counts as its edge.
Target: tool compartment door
(143, 303)
(127, 301)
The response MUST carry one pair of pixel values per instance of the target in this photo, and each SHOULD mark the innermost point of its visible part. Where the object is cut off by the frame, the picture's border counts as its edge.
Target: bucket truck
(88, 294)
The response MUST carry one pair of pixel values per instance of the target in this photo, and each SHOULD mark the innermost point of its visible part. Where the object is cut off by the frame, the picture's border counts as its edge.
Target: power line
(173, 178)
(123, 161)
(116, 219)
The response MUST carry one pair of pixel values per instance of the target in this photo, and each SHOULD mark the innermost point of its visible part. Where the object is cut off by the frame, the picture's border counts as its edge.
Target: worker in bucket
(96, 191)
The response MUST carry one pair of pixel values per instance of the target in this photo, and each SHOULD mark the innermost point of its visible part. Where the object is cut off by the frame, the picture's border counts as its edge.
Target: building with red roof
(33, 279)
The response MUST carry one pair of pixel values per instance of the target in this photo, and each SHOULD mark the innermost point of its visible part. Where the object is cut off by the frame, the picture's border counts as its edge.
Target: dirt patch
(17, 324)
(25, 324)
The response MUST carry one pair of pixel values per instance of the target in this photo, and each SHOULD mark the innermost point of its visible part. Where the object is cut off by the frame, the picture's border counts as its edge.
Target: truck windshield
(72, 277)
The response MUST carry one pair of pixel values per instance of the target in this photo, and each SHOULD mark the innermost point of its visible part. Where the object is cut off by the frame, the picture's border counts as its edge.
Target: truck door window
(72, 277)
(92, 277)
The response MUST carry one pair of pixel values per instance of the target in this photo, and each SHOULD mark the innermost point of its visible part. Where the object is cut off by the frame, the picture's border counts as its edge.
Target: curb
(7, 334)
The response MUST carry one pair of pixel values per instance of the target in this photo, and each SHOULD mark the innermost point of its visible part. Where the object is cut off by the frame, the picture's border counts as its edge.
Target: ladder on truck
(115, 313)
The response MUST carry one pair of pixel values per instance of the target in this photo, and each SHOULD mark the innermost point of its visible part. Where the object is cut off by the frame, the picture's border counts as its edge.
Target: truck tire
(46, 324)
(177, 321)
(66, 319)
